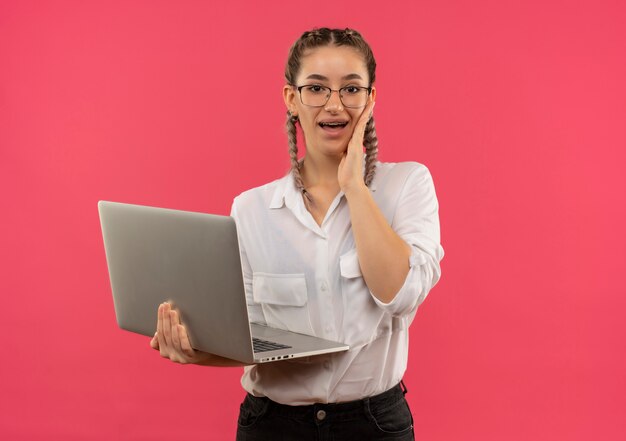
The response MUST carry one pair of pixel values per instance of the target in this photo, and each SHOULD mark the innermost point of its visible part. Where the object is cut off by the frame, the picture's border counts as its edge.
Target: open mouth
(333, 126)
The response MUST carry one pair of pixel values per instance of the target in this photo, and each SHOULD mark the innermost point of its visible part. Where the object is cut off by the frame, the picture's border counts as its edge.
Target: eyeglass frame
(299, 89)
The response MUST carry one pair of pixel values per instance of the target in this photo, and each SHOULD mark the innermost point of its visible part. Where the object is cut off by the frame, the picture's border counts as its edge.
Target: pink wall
(517, 108)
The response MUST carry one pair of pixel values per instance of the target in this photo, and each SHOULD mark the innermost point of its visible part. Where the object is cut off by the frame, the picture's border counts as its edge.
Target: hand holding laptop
(172, 341)
(171, 338)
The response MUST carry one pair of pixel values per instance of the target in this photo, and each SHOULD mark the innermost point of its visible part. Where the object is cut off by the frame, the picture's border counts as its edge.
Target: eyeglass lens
(318, 96)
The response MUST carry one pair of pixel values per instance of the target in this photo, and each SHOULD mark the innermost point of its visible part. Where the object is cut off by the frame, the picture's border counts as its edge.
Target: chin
(334, 149)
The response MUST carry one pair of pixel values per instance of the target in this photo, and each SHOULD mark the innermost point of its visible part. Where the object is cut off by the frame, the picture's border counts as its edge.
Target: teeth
(333, 124)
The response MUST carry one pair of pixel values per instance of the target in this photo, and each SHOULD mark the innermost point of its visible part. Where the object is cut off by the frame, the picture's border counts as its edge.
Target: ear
(373, 94)
(289, 96)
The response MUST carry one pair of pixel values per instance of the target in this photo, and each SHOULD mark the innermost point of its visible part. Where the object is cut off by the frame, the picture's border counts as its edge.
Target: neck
(320, 171)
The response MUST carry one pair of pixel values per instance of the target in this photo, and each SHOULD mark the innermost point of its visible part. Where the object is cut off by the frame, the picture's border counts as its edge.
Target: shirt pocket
(284, 300)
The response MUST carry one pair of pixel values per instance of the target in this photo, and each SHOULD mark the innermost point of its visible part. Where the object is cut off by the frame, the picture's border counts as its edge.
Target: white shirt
(306, 278)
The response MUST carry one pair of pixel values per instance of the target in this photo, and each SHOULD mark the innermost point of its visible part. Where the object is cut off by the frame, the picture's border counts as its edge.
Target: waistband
(390, 396)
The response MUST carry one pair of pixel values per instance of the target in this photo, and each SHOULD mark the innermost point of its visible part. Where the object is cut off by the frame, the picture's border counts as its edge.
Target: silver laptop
(191, 260)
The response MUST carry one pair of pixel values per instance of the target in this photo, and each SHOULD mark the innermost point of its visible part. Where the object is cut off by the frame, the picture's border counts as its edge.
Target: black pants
(382, 417)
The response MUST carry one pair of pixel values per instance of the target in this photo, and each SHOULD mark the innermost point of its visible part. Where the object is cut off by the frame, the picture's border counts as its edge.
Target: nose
(334, 102)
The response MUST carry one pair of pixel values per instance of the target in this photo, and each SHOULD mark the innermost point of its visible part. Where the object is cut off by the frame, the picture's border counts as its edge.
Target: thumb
(154, 343)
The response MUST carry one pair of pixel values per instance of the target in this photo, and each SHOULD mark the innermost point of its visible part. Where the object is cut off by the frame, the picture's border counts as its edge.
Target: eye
(315, 88)
(351, 89)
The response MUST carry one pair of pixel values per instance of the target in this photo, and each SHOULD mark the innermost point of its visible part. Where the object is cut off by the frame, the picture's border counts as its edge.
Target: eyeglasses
(315, 95)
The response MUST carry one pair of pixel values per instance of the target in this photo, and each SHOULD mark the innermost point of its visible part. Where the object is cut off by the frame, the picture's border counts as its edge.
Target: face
(334, 67)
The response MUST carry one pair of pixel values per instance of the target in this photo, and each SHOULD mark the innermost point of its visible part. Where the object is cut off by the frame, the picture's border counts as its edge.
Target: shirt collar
(278, 199)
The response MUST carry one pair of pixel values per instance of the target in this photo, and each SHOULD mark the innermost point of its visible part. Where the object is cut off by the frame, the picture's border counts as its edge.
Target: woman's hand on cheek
(350, 172)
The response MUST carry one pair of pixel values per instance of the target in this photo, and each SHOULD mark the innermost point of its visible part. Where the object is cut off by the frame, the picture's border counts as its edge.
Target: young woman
(343, 247)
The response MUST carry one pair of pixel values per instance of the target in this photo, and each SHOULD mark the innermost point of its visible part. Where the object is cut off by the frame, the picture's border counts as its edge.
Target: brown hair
(326, 37)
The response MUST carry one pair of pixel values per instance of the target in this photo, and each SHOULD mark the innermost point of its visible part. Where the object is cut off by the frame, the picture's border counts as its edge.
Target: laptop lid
(159, 254)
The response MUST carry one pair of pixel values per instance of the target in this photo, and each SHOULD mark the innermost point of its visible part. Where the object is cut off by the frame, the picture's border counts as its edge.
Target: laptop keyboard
(263, 345)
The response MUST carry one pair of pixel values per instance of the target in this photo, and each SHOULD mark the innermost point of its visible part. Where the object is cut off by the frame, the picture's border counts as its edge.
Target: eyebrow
(352, 76)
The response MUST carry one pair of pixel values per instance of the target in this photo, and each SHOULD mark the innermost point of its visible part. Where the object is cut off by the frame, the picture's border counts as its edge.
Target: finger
(366, 115)
(154, 343)
(175, 336)
(160, 333)
(356, 143)
(184, 342)
(167, 326)
(174, 340)
(174, 318)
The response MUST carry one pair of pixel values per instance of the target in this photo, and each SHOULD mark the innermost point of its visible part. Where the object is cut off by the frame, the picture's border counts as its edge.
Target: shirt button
(321, 414)
(324, 286)
(327, 364)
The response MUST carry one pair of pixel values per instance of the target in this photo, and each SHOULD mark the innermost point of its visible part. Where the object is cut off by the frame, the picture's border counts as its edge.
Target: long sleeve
(416, 220)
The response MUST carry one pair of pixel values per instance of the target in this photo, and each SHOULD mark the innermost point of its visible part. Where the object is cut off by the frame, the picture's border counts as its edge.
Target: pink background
(517, 108)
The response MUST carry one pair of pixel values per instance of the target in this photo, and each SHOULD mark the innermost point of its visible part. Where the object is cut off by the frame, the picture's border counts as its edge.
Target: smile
(334, 128)
(334, 124)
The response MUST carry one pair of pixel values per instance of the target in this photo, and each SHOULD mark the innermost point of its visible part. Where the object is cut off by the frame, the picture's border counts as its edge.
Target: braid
(296, 165)
(370, 141)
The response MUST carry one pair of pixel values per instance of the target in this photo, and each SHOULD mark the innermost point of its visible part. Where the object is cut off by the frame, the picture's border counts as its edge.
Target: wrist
(355, 189)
